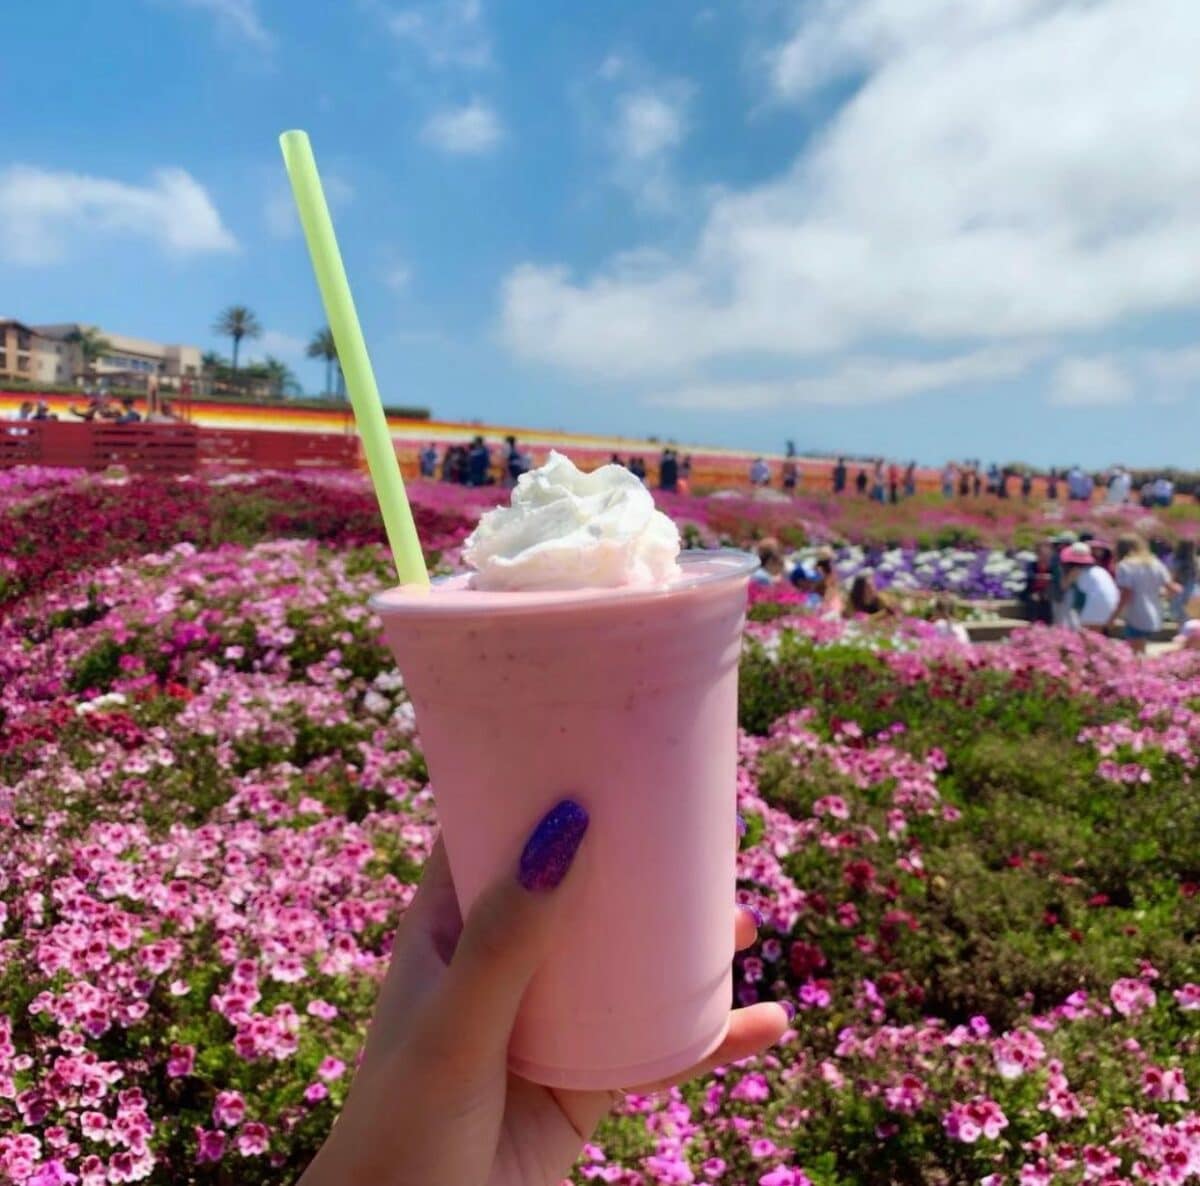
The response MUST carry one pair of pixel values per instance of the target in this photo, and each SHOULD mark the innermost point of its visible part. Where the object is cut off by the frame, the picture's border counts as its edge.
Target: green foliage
(97, 669)
(1053, 880)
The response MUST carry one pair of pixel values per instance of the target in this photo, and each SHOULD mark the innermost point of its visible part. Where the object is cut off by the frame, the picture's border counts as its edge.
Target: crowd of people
(103, 407)
(889, 481)
(477, 464)
(818, 582)
(1075, 582)
(1084, 583)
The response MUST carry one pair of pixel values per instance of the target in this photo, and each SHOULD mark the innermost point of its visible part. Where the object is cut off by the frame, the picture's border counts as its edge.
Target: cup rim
(722, 565)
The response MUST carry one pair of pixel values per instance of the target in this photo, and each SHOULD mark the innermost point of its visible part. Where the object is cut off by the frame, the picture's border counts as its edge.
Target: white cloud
(397, 276)
(279, 210)
(472, 130)
(1005, 170)
(650, 122)
(612, 67)
(1163, 376)
(858, 380)
(284, 346)
(43, 211)
(451, 33)
(1090, 383)
(238, 18)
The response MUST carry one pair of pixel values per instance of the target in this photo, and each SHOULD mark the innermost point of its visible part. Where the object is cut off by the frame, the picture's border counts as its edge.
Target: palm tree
(323, 346)
(93, 346)
(237, 322)
(279, 377)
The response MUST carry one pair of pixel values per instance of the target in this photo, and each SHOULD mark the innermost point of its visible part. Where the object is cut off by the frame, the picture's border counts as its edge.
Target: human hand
(433, 1103)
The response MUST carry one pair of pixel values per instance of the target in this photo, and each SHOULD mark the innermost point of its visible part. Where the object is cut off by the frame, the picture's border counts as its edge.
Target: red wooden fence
(168, 448)
(277, 450)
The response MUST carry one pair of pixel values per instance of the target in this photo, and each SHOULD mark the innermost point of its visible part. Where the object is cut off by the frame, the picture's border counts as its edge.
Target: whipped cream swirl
(569, 530)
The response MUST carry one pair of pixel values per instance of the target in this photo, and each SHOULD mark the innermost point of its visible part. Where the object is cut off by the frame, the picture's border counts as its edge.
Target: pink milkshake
(623, 698)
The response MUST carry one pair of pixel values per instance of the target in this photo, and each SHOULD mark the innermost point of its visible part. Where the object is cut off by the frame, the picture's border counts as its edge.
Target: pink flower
(1168, 1084)
(1131, 998)
(52, 1173)
(331, 1069)
(981, 1117)
(831, 805)
(210, 1146)
(182, 1059)
(1098, 1163)
(752, 1089)
(1035, 1174)
(253, 1139)
(314, 1093)
(906, 1096)
(1188, 997)
(229, 1109)
(782, 1176)
(1017, 1053)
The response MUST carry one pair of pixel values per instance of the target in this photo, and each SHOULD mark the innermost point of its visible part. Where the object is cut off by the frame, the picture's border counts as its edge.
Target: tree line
(238, 324)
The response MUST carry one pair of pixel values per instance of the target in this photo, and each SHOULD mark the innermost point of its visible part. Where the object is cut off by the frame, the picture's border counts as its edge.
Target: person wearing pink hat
(1089, 588)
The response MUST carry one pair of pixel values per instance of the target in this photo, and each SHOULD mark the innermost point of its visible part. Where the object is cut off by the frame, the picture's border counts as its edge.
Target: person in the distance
(1088, 587)
(1143, 580)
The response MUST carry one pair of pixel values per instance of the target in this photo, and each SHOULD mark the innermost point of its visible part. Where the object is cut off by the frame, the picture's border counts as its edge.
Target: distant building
(130, 362)
(25, 354)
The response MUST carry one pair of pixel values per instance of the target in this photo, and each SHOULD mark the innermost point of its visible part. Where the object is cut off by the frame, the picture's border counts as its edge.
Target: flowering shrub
(979, 871)
(62, 521)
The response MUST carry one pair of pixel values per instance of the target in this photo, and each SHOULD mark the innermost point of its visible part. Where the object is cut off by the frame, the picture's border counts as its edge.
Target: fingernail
(789, 1009)
(551, 847)
(741, 825)
(757, 915)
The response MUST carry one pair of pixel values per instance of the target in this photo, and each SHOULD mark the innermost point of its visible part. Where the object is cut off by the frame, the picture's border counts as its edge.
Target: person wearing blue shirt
(479, 464)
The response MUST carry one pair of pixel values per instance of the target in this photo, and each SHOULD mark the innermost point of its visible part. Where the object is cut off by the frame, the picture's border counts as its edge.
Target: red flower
(806, 958)
(859, 875)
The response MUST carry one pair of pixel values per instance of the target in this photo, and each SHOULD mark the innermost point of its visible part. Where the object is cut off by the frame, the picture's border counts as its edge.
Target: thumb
(504, 939)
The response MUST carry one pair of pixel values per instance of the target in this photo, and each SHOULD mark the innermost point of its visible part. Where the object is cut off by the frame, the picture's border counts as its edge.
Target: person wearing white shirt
(1143, 580)
(1092, 589)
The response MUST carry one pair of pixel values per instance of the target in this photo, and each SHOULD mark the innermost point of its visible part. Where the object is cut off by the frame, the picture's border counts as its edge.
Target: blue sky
(915, 227)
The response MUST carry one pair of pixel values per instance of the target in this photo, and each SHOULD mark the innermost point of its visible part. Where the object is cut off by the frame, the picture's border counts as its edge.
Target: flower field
(979, 867)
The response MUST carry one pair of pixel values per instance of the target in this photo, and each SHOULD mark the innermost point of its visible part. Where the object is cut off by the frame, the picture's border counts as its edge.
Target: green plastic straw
(352, 354)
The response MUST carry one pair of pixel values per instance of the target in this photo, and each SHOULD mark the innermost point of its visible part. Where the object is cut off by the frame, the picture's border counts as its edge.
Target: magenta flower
(229, 1109)
(1131, 998)
(210, 1146)
(252, 1140)
(331, 1069)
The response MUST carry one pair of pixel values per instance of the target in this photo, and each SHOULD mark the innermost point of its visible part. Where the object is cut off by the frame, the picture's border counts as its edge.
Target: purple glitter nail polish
(789, 1009)
(741, 825)
(551, 847)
